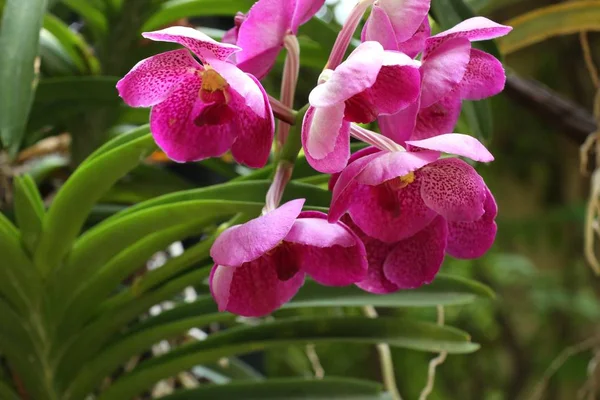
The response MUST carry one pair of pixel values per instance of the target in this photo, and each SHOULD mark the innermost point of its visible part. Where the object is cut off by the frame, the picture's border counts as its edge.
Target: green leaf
(19, 46)
(173, 10)
(92, 89)
(125, 138)
(73, 43)
(93, 16)
(54, 59)
(479, 115)
(29, 210)
(396, 332)
(550, 21)
(7, 393)
(76, 198)
(330, 388)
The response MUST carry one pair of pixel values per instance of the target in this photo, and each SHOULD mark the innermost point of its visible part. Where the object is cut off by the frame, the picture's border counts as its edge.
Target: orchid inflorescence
(398, 206)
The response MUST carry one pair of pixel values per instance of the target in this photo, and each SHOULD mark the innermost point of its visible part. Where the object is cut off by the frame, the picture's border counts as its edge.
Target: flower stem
(374, 139)
(385, 358)
(282, 112)
(435, 362)
(345, 36)
(289, 82)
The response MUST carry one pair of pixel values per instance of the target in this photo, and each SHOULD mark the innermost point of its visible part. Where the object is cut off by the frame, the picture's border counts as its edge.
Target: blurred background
(540, 336)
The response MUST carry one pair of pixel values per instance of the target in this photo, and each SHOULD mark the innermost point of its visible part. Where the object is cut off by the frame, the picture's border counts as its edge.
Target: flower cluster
(398, 206)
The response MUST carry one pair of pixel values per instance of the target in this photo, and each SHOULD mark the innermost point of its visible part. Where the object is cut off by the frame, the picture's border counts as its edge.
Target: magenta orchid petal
(346, 187)
(455, 143)
(399, 126)
(351, 77)
(453, 189)
(443, 69)
(355, 156)
(377, 251)
(261, 64)
(246, 85)
(173, 128)
(252, 146)
(415, 261)
(473, 239)
(244, 243)
(484, 77)
(330, 253)
(151, 80)
(199, 43)
(474, 29)
(395, 164)
(326, 138)
(405, 15)
(390, 214)
(304, 11)
(253, 289)
(416, 43)
(379, 28)
(439, 118)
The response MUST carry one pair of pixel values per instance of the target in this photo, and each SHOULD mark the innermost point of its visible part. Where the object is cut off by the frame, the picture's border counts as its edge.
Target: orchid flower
(262, 31)
(451, 71)
(261, 264)
(392, 196)
(399, 25)
(201, 110)
(370, 82)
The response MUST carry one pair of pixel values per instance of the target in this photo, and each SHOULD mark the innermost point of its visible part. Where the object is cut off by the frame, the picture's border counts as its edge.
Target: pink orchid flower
(201, 110)
(399, 25)
(416, 260)
(261, 33)
(370, 82)
(451, 71)
(262, 264)
(392, 196)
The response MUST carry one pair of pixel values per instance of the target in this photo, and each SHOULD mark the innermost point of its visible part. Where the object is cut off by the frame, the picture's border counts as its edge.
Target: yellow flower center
(401, 181)
(214, 87)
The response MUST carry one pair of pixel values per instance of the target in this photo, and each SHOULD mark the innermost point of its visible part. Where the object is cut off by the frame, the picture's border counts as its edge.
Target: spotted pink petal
(172, 125)
(395, 164)
(474, 29)
(199, 43)
(253, 289)
(379, 28)
(304, 11)
(330, 253)
(443, 69)
(483, 78)
(473, 239)
(439, 118)
(244, 243)
(346, 187)
(151, 80)
(400, 126)
(415, 261)
(455, 143)
(405, 15)
(326, 138)
(453, 188)
(377, 252)
(351, 77)
(391, 214)
(252, 146)
(246, 85)
(416, 44)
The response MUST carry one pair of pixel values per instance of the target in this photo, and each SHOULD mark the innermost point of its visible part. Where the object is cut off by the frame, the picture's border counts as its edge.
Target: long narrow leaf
(29, 211)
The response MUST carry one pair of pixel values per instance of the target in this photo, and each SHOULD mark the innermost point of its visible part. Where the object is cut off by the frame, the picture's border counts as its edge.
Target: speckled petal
(453, 188)
(329, 252)
(439, 118)
(199, 43)
(443, 69)
(415, 261)
(253, 289)
(395, 164)
(151, 80)
(455, 143)
(390, 214)
(377, 252)
(483, 78)
(416, 43)
(474, 29)
(473, 239)
(247, 242)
